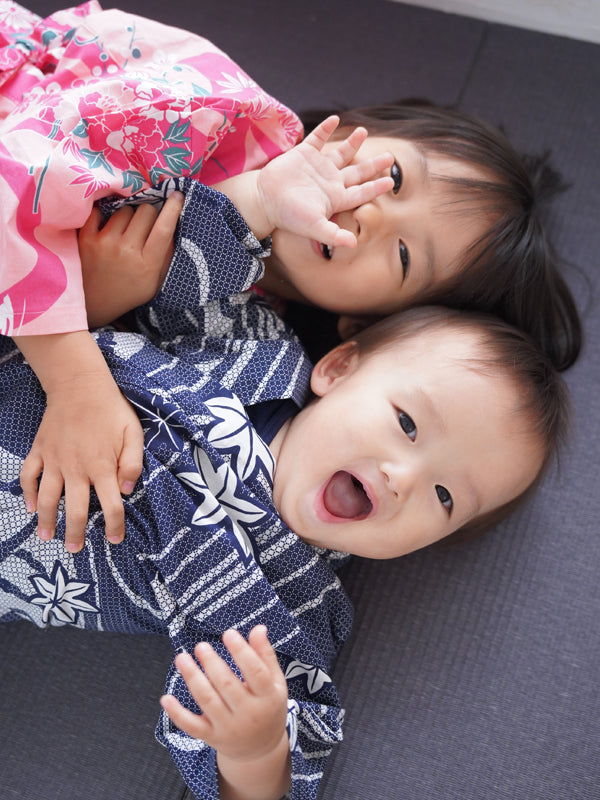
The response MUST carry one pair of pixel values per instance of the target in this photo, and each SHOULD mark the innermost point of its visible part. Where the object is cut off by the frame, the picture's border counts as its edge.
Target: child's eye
(396, 175)
(407, 425)
(445, 498)
(404, 259)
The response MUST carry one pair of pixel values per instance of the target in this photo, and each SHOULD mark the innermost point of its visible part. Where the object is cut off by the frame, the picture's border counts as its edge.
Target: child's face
(401, 447)
(408, 241)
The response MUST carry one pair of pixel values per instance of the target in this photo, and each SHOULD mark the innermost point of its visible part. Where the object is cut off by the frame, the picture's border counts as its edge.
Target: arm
(89, 435)
(244, 721)
(302, 189)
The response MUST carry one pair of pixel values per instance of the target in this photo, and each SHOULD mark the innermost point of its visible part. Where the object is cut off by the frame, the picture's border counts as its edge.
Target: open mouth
(345, 497)
(326, 251)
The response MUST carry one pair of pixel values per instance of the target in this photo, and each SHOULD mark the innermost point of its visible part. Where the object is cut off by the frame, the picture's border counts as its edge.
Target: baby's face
(408, 240)
(401, 448)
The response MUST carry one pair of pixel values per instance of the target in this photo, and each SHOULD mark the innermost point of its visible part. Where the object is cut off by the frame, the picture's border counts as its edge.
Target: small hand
(242, 720)
(89, 435)
(125, 262)
(302, 189)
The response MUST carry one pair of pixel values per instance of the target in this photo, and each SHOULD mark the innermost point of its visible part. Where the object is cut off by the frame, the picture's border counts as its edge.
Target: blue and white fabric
(205, 549)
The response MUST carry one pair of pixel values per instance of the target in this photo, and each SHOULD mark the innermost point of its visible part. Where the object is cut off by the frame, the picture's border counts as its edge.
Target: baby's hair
(503, 351)
(513, 269)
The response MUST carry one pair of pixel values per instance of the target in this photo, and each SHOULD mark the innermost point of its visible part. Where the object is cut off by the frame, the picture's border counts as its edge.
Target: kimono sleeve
(216, 257)
(88, 111)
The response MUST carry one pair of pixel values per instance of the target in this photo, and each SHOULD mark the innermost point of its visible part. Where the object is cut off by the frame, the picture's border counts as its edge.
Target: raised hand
(243, 720)
(302, 189)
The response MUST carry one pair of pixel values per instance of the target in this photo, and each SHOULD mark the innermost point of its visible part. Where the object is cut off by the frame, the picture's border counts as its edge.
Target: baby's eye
(396, 174)
(404, 258)
(407, 425)
(445, 498)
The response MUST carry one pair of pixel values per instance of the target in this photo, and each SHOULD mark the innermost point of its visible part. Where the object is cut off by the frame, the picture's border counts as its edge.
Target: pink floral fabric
(95, 103)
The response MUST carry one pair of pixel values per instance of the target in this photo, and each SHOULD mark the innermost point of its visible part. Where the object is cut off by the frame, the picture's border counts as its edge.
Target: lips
(345, 497)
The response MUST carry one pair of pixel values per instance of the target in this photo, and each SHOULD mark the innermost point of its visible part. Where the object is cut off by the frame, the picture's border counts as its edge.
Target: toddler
(107, 114)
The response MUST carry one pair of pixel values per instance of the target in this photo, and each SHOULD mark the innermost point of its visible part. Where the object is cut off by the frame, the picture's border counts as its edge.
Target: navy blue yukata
(205, 549)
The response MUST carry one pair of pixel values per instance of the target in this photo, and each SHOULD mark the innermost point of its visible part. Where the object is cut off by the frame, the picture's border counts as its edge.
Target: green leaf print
(133, 179)
(96, 159)
(176, 159)
(177, 132)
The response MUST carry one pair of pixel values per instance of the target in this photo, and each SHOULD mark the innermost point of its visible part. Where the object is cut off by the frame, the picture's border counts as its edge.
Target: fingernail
(46, 535)
(30, 506)
(127, 487)
(115, 539)
(72, 547)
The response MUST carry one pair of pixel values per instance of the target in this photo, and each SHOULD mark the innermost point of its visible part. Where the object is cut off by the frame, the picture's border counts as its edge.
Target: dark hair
(512, 270)
(504, 351)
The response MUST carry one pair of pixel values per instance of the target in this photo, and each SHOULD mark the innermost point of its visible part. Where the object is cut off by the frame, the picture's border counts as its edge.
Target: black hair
(504, 351)
(513, 270)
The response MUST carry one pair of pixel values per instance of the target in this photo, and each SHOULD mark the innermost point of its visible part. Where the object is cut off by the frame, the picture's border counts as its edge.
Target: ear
(335, 365)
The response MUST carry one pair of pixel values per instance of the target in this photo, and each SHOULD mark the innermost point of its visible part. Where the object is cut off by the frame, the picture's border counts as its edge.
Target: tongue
(345, 497)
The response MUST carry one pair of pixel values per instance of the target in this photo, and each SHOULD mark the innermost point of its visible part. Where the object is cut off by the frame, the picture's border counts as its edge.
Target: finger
(196, 726)
(355, 196)
(329, 233)
(255, 673)
(77, 503)
(347, 149)
(161, 238)
(321, 134)
(259, 641)
(201, 689)
(30, 472)
(364, 171)
(131, 458)
(118, 222)
(225, 683)
(141, 223)
(111, 502)
(93, 223)
(51, 486)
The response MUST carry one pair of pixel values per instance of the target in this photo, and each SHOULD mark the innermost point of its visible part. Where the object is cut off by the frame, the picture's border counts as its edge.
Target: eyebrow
(429, 250)
(425, 400)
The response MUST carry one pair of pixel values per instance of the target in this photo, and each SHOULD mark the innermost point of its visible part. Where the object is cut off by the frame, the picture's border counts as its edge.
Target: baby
(424, 425)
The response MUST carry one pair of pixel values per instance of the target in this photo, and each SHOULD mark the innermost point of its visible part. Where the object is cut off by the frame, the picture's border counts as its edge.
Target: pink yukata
(96, 103)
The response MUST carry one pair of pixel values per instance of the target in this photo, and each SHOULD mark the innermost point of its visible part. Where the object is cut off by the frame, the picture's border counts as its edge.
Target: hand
(89, 435)
(241, 719)
(125, 262)
(302, 189)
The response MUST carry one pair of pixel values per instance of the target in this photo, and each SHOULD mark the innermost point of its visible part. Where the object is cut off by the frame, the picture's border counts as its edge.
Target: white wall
(578, 19)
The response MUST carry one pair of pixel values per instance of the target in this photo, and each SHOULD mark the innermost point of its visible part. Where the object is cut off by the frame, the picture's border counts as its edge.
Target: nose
(400, 478)
(368, 221)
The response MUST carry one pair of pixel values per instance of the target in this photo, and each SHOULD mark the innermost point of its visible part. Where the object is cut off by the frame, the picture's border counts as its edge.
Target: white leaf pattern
(314, 676)
(60, 597)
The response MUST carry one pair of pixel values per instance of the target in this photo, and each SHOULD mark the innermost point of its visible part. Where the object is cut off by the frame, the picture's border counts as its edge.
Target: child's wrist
(245, 193)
